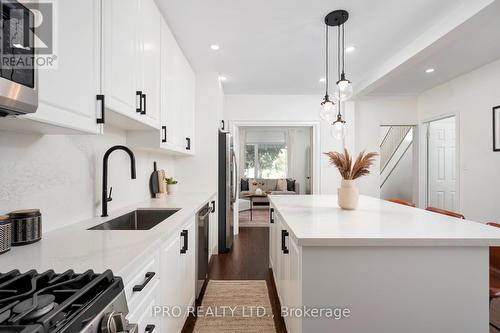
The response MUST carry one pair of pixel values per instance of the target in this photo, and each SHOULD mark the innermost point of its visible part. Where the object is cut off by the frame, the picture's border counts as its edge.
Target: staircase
(393, 148)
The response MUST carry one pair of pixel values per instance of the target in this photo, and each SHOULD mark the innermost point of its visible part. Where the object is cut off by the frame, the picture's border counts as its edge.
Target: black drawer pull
(164, 134)
(188, 143)
(284, 235)
(149, 328)
(271, 215)
(222, 125)
(103, 107)
(143, 111)
(184, 235)
(148, 276)
(213, 206)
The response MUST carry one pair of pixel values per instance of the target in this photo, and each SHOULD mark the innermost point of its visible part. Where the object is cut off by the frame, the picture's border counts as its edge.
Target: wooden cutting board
(162, 186)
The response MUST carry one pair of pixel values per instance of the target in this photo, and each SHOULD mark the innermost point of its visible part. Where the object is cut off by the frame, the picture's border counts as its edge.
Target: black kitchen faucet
(105, 197)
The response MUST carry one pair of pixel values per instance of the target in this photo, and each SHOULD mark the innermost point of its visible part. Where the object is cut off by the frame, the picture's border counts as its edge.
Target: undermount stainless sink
(140, 219)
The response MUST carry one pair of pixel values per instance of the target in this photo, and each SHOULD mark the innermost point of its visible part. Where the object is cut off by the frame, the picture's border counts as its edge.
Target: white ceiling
(471, 45)
(277, 46)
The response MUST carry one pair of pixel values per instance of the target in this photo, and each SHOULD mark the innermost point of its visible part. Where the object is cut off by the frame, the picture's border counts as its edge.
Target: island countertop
(316, 220)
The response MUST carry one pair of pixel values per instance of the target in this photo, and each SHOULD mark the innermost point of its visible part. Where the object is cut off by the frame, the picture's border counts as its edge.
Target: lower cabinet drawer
(142, 282)
(142, 313)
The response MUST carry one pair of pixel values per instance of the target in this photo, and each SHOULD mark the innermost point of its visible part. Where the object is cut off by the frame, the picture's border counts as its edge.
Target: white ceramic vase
(172, 188)
(348, 195)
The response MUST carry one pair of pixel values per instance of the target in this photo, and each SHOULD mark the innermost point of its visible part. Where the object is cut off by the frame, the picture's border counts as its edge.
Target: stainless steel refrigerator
(228, 172)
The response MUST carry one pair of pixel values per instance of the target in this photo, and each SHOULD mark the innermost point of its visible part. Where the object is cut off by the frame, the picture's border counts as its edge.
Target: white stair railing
(391, 143)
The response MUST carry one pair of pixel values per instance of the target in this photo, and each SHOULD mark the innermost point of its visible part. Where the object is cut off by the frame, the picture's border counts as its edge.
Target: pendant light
(327, 107)
(343, 88)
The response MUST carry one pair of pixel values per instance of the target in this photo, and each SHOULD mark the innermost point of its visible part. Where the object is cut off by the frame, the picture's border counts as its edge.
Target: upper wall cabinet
(177, 98)
(67, 93)
(131, 52)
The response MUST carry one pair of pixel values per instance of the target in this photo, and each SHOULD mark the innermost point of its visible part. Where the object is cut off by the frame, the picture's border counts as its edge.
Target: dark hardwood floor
(248, 260)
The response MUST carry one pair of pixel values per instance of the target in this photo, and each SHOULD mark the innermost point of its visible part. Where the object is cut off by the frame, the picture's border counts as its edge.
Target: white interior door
(442, 168)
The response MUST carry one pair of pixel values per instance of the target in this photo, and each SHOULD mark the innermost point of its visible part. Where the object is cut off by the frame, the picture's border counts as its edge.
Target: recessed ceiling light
(222, 78)
(429, 70)
(350, 49)
(322, 79)
(215, 47)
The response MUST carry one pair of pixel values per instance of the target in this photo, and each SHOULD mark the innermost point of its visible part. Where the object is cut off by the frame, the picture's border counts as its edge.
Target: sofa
(269, 186)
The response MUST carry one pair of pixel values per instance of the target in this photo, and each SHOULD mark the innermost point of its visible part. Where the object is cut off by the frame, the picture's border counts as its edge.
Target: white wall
(371, 113)
(61, 175)
(200, 172)
(286, 109)
(471, 97)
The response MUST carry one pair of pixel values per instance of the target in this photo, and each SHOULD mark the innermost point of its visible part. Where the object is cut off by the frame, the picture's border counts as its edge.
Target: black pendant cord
(339, 104)
(326, 61)
(343, 49)
(338, 53)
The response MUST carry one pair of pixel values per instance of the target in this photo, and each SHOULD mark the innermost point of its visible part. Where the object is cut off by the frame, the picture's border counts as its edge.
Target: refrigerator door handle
(235, 177)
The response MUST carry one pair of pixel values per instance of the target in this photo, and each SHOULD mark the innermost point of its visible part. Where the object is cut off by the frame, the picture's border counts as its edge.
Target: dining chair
(445, 212)
(402, 202)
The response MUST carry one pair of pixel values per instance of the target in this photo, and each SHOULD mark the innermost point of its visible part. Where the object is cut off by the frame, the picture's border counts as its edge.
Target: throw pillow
(244, 185)
(282, 185)
(290, 184)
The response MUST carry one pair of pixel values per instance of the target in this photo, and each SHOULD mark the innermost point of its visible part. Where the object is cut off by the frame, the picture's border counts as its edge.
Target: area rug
(235, 306)
(260, 217)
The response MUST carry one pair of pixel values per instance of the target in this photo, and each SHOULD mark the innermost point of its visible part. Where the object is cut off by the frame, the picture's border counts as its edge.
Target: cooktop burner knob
(113, 322)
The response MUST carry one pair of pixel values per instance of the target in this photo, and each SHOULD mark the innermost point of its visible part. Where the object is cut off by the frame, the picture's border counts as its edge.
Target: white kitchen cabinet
(177, 102)
(178, 94)
(144, 316)
(149, 45)
(119, 55)
(67, 93)
(285, 260)
(178, 275)
(131, 58)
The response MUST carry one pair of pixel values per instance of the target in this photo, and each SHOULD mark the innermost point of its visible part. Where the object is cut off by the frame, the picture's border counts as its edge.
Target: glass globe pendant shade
(343, 89)
(327, 110)
(339, 129)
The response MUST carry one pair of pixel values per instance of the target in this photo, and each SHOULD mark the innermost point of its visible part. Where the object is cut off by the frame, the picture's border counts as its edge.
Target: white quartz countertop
(75, 247)
(316, 220)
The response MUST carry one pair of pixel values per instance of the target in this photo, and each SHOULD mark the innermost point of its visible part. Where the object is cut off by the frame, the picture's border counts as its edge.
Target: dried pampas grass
(348, 171)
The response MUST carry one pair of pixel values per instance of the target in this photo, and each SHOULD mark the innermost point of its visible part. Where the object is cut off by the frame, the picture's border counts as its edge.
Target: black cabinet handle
(103, 107)
(213, 206)
(222, 125)
(164, 134)
(138, 103)
(148, 276)
(271, 215)
(184, 248)
(284, 235)
(143, 111)
(149, 328)
(188, 142)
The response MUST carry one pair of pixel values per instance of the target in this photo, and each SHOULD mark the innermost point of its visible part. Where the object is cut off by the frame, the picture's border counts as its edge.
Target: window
(266, 160)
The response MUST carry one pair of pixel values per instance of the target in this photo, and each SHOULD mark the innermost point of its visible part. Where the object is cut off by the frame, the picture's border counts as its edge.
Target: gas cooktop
(33, 302)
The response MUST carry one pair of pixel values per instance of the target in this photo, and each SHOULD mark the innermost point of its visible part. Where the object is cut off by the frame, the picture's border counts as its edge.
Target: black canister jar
(26, 226)
(5, 233)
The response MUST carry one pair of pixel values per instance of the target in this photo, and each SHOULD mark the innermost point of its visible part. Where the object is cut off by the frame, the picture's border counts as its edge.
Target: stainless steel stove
(45, 302)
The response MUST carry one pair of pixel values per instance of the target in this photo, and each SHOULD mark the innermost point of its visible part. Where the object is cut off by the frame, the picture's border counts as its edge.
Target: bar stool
(445, 212)
(402, 202)
(494, 272)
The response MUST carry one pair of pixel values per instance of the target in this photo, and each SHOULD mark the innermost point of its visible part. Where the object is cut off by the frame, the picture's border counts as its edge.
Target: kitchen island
(383, 268)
